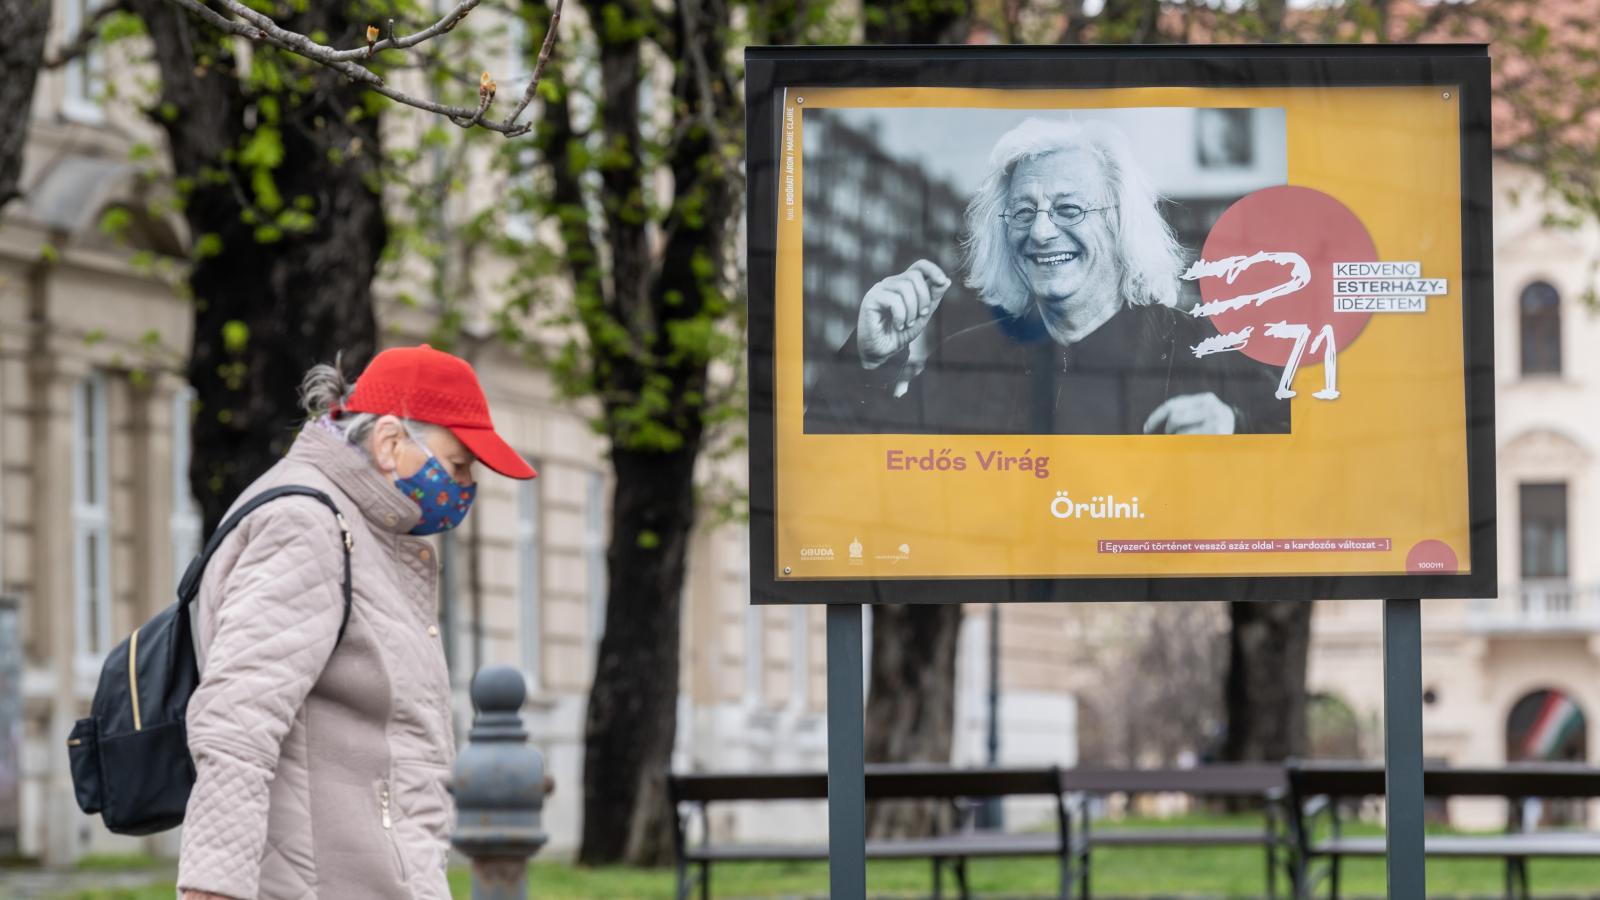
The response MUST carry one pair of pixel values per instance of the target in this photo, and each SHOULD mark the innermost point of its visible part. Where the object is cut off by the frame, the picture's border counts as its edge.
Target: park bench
(692, 794)
(1318, 792)
(1263, 783)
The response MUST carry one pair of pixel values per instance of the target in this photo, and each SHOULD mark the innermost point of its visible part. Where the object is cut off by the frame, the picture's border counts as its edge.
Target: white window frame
(755, 635)
(184, 523)
(519, 224)
(800, 641)
(84, 76)
(529, 573)
(91, 518)
(594, 554)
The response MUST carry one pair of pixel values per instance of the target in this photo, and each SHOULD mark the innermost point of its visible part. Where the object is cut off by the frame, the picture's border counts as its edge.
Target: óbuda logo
(1097, 507)
(816, 553)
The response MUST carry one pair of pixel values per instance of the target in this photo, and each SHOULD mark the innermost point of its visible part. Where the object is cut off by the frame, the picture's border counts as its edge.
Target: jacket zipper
(385, 807)
(383, 803)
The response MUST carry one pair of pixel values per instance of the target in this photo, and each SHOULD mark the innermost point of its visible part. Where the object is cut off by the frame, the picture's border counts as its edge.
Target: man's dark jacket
(1008, 376)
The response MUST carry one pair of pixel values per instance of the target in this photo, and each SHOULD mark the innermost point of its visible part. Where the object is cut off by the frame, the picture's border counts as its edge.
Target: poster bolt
(788, 571)
(1447, 95)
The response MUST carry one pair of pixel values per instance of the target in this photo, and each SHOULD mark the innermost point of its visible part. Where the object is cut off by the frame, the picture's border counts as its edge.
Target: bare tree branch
(80, 43)
(448, 23)
(256, 26)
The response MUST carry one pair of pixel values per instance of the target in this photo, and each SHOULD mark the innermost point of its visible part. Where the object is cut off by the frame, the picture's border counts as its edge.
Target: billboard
(1067, 323)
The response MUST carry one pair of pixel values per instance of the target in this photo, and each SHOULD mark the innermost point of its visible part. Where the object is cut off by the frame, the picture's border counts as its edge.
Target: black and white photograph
(1006, 271)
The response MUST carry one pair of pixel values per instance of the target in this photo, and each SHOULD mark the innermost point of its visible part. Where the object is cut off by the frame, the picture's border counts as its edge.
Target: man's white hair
(1149, 255)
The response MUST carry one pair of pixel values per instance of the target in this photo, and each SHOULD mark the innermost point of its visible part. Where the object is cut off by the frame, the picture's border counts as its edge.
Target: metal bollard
(499, 788)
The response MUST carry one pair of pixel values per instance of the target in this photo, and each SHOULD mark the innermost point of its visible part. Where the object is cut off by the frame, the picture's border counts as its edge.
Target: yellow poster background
(1387, 459)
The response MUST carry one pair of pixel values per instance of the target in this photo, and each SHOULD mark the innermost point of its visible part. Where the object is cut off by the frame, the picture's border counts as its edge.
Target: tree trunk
(911, 704)
(633, 705)
(21, 54)
(1266, 689)
(654, 384)
(286, 247)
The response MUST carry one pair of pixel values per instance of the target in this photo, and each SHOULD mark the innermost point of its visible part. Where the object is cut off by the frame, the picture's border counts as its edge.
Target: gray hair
(324, 389)
(1150, 256)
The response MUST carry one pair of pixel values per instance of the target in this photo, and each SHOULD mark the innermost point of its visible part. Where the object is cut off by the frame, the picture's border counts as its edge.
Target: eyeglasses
(1064, 215)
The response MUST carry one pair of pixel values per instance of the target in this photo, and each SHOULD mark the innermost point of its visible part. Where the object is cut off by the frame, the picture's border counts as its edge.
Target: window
(594, 554)
(184, 524)
(523, 189)
(450, 611)
(1544, 530)
(754, 657)
(528, 576)
(1224, 138)
(86, 74)
(800, 681)
(91, 519)
(1540, 310)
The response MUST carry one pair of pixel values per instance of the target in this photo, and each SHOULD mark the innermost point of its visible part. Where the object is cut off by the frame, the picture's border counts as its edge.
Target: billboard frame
(770, 70)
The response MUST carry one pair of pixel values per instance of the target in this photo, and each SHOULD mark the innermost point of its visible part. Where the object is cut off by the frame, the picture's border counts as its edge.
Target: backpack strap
(189, 587)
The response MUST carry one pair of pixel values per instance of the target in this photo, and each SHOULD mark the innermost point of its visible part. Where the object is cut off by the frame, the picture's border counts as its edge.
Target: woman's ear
(386, 438)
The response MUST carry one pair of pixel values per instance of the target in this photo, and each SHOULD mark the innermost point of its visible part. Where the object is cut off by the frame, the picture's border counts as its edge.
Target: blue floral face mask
(443, 501)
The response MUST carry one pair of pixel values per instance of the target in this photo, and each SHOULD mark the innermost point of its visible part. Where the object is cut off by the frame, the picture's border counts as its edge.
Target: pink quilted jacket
(320, 776)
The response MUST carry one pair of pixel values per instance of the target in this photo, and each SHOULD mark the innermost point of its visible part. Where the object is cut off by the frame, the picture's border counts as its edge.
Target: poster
(1155, 332)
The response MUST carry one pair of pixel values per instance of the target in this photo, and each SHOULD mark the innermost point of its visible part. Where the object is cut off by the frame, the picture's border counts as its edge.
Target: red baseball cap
(428, 385)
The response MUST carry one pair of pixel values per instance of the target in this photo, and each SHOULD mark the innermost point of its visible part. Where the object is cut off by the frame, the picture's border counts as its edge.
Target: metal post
(847, 779)
(499, 788)
(1402, 746)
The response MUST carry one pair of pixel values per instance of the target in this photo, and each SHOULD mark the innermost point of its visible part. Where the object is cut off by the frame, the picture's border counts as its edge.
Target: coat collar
(347, 466)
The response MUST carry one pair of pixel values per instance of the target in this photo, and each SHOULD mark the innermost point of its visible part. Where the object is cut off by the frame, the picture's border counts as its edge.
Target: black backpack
(130, 757)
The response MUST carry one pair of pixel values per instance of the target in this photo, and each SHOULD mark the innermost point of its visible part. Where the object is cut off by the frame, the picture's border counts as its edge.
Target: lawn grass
(1118, 872)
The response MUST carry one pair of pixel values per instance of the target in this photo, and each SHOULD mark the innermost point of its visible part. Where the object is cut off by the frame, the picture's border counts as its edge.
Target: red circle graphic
(1285, 222)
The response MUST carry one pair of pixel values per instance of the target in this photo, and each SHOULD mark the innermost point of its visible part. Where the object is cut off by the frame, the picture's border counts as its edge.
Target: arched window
(1540, 312)
(1547, 726)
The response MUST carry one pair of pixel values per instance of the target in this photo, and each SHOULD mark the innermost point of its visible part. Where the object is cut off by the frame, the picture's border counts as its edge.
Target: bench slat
(883, 782)
(1550, 844)
(1514, 780)
(974, 844)
(1223, 780)
(1160, 837)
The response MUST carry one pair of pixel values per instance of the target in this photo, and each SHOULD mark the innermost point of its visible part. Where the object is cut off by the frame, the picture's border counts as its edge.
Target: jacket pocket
(83, 749)
(386, 817)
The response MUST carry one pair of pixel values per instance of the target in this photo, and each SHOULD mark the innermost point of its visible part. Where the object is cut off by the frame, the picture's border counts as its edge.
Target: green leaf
(140, 152)
(94, 336)
(235, 336)
(649, 540)
(120, 26)
(263, 149)
(209, 245)
(115, 221)
(294, 221)
(48, 254)
(266, 190)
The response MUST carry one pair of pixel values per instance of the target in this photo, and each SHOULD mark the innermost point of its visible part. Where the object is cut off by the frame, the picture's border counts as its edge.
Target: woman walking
(321, 760)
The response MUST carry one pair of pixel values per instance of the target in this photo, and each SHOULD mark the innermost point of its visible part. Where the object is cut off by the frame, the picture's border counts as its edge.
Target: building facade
(1516, 677)
(98, 521)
